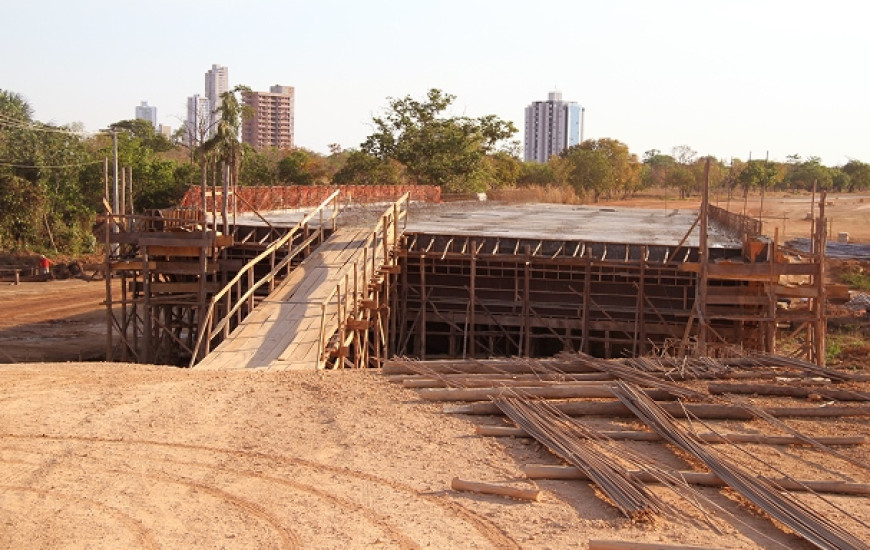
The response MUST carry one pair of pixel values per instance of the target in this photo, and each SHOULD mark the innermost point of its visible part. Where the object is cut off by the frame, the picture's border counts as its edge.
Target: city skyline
(727, 79)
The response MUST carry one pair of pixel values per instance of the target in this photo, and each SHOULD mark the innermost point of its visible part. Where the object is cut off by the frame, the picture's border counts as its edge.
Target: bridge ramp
(285, 330)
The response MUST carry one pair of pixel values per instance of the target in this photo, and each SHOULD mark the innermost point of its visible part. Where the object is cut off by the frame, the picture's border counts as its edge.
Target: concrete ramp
(288, 330)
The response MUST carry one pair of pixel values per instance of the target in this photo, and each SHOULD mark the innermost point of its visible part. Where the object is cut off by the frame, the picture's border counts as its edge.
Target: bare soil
(52, 321)
(129, 456)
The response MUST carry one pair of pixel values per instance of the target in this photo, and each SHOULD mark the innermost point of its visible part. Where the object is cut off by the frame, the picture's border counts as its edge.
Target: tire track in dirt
(289, 538)
(142, 535)
(484, 527)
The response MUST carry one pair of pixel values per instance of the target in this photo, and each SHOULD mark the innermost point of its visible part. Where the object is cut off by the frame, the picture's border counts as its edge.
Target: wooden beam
(489, 489)
(706, 437)
(561, 391)
(708, 479)
(790, 391)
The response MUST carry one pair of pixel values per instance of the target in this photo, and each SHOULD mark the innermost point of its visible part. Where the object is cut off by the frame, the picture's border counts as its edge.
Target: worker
(44, 265)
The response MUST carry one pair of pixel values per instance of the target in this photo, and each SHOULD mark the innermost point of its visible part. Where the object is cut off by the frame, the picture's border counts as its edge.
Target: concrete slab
(564, 222)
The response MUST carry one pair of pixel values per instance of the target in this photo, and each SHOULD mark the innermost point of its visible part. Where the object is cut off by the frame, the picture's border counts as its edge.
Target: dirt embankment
(52, 321)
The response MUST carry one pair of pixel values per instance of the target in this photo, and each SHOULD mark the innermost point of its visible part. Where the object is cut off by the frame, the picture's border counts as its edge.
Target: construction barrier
(280, 197)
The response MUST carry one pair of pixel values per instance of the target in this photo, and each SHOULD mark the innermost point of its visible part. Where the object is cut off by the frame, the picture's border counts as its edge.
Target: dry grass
(537, 193)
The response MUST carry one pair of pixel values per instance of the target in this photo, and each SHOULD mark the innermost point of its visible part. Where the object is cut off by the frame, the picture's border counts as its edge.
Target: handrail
(381, 234)
(207, 319)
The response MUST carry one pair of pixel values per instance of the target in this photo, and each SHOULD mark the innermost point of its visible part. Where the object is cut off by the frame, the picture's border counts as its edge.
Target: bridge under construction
(227, 282)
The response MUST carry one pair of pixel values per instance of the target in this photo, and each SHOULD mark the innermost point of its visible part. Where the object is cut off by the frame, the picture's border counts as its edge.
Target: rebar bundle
(798, 517)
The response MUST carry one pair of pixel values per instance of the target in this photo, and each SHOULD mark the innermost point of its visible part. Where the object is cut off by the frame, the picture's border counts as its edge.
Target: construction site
(469, 374)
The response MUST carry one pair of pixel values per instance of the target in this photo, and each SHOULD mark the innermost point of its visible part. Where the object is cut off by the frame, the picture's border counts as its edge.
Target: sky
(727, 78)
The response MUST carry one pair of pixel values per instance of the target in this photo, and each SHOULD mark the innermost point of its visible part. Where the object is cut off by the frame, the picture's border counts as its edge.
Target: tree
(756, 174)
(859, 175)
(361, 168)
(802, 175)
(293, 169)
(144, 131)
(13, 106)
(656, 168)
(435, 149)
(536, 173)
(502, 169)
(224, 145)
(588, 170)
(612, 169)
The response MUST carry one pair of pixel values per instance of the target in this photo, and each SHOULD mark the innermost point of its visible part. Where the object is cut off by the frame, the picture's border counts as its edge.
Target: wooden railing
(239, 302)
(358, 281)
(737, 224)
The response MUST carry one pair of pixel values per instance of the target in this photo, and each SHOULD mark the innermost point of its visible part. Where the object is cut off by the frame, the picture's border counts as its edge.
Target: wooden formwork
(481, 296)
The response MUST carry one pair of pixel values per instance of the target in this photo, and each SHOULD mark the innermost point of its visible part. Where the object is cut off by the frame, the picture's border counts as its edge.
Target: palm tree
(224, 146)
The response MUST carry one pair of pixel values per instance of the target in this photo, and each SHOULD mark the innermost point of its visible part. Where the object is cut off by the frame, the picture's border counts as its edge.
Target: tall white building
(198, 121)
(551, 127)
(216, 84)
(147, 112)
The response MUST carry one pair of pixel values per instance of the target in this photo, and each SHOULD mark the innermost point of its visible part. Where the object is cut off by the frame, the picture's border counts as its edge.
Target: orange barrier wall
(262, 198)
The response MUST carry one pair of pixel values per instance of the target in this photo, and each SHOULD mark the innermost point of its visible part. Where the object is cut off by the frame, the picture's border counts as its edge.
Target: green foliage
(859, 175)
(536, 173)
(435, 149)
(801, 175)
(361, 168)
(599, 166)
(50, 195)
(757, 174)
(293, 169)
(145, 133)
(857, 280)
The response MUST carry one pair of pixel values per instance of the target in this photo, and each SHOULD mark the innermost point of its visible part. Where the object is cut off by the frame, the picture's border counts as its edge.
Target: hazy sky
(724, 77)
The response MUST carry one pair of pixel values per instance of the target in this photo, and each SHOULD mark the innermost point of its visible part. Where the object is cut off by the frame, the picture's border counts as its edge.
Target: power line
(10, 165)
(35, 126)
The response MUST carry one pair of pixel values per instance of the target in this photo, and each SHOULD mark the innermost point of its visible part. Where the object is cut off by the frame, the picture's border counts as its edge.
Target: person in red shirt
(44, 265)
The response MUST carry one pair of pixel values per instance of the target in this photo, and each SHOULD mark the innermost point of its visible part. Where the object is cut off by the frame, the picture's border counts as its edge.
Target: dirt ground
(52, 321)
(130, 456)
(109, 455)
(785, 212)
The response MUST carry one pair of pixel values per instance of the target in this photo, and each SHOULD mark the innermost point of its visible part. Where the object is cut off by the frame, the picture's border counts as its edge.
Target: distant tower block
(551, 127)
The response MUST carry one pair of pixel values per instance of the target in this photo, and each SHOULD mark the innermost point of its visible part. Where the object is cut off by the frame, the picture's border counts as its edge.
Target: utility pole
(115, 172)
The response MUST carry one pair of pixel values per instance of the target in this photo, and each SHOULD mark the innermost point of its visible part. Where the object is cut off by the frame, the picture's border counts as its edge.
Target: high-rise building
(551, 127)
(147, 112)
(272, 123)
(216, 83)
(198, 120)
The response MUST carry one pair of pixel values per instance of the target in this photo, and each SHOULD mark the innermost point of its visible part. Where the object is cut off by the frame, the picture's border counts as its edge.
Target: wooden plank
(458, 484)
(707, 437)
(708, 479)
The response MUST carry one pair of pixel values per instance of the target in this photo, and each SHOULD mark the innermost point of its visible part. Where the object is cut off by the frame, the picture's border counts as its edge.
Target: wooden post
(770, 337)
(108, 276)
(587, 296)
(124, 322)
(821, 321)
(146, 309)
(704, 252)
(472, 306)
(639, 319)
(423, 293)
(527, 306)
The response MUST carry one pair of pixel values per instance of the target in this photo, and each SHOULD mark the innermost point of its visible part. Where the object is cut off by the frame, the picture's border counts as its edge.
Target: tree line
(52, 177)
